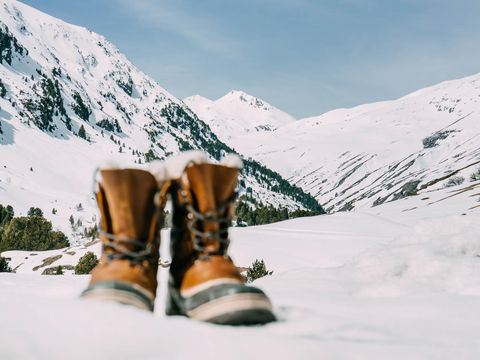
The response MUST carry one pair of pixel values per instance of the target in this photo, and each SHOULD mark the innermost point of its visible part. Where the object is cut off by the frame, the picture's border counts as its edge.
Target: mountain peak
(239, 96)
(237, 113)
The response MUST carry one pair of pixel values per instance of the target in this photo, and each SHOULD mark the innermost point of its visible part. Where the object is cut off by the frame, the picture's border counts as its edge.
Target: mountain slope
(69, 99)
(375, 153)
(238, 113)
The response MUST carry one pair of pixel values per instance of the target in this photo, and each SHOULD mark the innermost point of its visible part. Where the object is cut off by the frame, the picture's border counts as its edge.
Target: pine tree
(6, 214)
(4, 266)
(82, 133)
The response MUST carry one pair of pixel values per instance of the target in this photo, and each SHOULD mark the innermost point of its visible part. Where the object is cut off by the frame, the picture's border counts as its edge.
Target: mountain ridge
(70, 100)
(379, 152)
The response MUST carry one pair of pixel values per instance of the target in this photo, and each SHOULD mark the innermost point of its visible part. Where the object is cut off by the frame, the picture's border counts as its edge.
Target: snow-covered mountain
(69, 99)
(375, 153)
(238, 113)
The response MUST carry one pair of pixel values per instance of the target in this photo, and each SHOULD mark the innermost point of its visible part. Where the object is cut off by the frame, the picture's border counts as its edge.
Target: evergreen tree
(6, 214)
(3, 89)
(4, 266)
(91, 232)
(82, 133)
(32, 233)
(82, 110)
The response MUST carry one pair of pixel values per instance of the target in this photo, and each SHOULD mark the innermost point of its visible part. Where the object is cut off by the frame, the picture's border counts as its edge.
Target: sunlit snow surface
(383, 284)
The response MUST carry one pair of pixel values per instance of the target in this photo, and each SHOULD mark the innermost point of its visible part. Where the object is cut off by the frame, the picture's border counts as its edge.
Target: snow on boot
(204, 283)
(131, 208)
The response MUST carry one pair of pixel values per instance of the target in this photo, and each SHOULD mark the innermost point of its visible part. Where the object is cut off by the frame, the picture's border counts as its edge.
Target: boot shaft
(131, 214)
(203, 208)
(129, 205)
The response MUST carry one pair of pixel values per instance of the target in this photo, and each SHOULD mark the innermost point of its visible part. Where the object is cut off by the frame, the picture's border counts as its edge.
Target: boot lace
(120, 252)
(143, 252)
(196, 219)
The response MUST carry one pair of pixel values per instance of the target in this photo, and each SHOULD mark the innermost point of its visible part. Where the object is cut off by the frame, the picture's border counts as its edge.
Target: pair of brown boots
(204, 284)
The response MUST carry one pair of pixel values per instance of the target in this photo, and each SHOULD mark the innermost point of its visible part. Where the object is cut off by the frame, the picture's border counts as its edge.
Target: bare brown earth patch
(48, 261)
(53, 270)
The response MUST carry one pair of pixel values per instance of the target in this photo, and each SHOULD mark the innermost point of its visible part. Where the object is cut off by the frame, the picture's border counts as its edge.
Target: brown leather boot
(131, 208)
(204, 283)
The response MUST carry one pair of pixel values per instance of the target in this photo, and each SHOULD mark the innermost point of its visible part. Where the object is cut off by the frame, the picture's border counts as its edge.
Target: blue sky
(303, 56)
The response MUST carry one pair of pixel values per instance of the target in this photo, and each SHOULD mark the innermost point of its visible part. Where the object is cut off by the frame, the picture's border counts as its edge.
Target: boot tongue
(211, 186)
(130, 196)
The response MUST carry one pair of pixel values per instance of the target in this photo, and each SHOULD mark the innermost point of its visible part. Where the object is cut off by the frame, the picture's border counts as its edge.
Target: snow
(390, 284)
(237, 113)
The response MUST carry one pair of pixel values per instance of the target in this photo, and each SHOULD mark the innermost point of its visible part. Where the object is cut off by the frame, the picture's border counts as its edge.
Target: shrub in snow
(4, 266)
(432, 140)
(86, 263)
(110, 125)
(454, 181)
(257, 270)
(33, 211)
(59, 270)
(475, 176)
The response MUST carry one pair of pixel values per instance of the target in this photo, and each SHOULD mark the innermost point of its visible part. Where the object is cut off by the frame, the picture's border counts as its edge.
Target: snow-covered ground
(382, 284)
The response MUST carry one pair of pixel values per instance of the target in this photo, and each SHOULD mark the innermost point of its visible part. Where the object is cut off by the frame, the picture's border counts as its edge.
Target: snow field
(345, 286)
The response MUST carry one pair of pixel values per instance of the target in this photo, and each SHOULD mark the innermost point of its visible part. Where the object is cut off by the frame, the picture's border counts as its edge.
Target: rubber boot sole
(119, 292)
(237, 309)
(225, 306)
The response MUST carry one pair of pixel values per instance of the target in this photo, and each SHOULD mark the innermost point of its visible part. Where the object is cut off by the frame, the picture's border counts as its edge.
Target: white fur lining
(173, 167)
